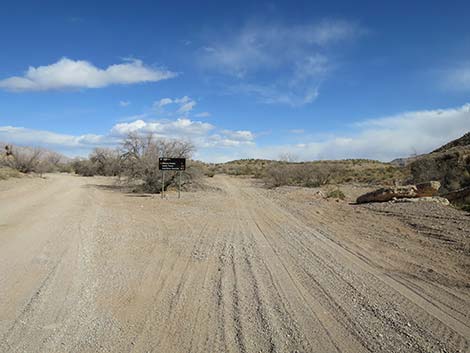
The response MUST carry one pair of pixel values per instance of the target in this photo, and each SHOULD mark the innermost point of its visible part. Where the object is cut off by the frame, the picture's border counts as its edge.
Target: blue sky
(317, 80)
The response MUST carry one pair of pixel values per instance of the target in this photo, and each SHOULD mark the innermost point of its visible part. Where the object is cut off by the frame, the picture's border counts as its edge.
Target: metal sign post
(179, 184)
(173, 164)
(163, 184)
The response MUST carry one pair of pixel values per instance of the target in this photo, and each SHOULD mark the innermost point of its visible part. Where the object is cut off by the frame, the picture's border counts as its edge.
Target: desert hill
(450, 164)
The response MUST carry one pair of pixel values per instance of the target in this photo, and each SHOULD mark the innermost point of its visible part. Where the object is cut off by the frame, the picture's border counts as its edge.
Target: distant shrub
(106, 161)
(451, 168)
(335, 194)
(84, 167)
(65, 168)
(7, 173)
(23, 159)
(31, 159)
(465, 207)
(302, 174)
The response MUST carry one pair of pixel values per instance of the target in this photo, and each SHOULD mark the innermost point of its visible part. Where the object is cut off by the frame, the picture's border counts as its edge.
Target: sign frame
(172, 164)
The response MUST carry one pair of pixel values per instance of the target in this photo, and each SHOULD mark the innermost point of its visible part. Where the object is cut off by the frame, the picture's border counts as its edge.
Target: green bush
(465, 207)
(335, 194)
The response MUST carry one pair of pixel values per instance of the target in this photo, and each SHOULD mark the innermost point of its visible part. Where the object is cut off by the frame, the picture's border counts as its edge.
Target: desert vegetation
(7, 173)
(450, 165)
(135, 162)
(19, 160)
(314, 174)
(139, 155)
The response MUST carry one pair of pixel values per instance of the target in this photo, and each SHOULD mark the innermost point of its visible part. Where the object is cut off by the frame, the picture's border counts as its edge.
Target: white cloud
(162, 102)
(239, 135)
(126, 128)
(124, 103)
(279, 64)
(223, 141)
(179, 128)
(24, 136)
(185, 104)
(257, 47)
(383, 138)
(71, 74)
(274, 94)
(186, 107)
(202, 134)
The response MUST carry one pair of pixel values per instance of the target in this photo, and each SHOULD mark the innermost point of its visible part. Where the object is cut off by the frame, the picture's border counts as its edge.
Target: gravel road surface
(85, 267)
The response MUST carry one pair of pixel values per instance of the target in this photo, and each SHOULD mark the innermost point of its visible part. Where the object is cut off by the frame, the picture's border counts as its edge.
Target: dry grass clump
(335, 194)
(7, 173)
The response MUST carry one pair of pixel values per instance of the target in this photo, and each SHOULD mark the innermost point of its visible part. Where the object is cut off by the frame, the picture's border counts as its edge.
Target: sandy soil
(87, 268)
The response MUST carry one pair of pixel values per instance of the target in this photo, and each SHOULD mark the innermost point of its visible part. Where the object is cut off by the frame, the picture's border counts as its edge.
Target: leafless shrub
(106, 161)
(278, 175)
(84, 167)
(139, 156)
(32, 159)
(302, 174)
(23, 159)
(54, 159)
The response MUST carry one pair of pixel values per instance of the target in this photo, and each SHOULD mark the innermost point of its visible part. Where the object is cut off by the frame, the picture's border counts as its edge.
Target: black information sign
(172, 164)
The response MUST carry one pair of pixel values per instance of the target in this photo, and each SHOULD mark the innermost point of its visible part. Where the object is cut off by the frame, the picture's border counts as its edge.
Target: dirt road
(85, 268)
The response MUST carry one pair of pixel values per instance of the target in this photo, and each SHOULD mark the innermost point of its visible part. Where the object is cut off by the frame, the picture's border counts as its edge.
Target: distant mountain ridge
(449, 164)
(462, 141)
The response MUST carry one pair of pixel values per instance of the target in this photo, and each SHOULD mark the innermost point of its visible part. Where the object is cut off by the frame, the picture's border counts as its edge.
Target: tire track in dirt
(323, 338)
(458, 309)
(383, 280)
(218, 271)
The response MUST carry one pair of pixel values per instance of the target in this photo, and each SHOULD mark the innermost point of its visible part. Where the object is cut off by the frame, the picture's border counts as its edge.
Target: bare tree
(23, 159)
(139, 156)
(54, 158)
(106, 161)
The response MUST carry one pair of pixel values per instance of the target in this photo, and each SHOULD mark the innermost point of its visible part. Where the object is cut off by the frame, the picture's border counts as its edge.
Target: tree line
(134, 161)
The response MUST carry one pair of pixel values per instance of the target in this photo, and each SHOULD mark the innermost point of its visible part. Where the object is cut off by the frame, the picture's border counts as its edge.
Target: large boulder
(387, 194)
(429, 188)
